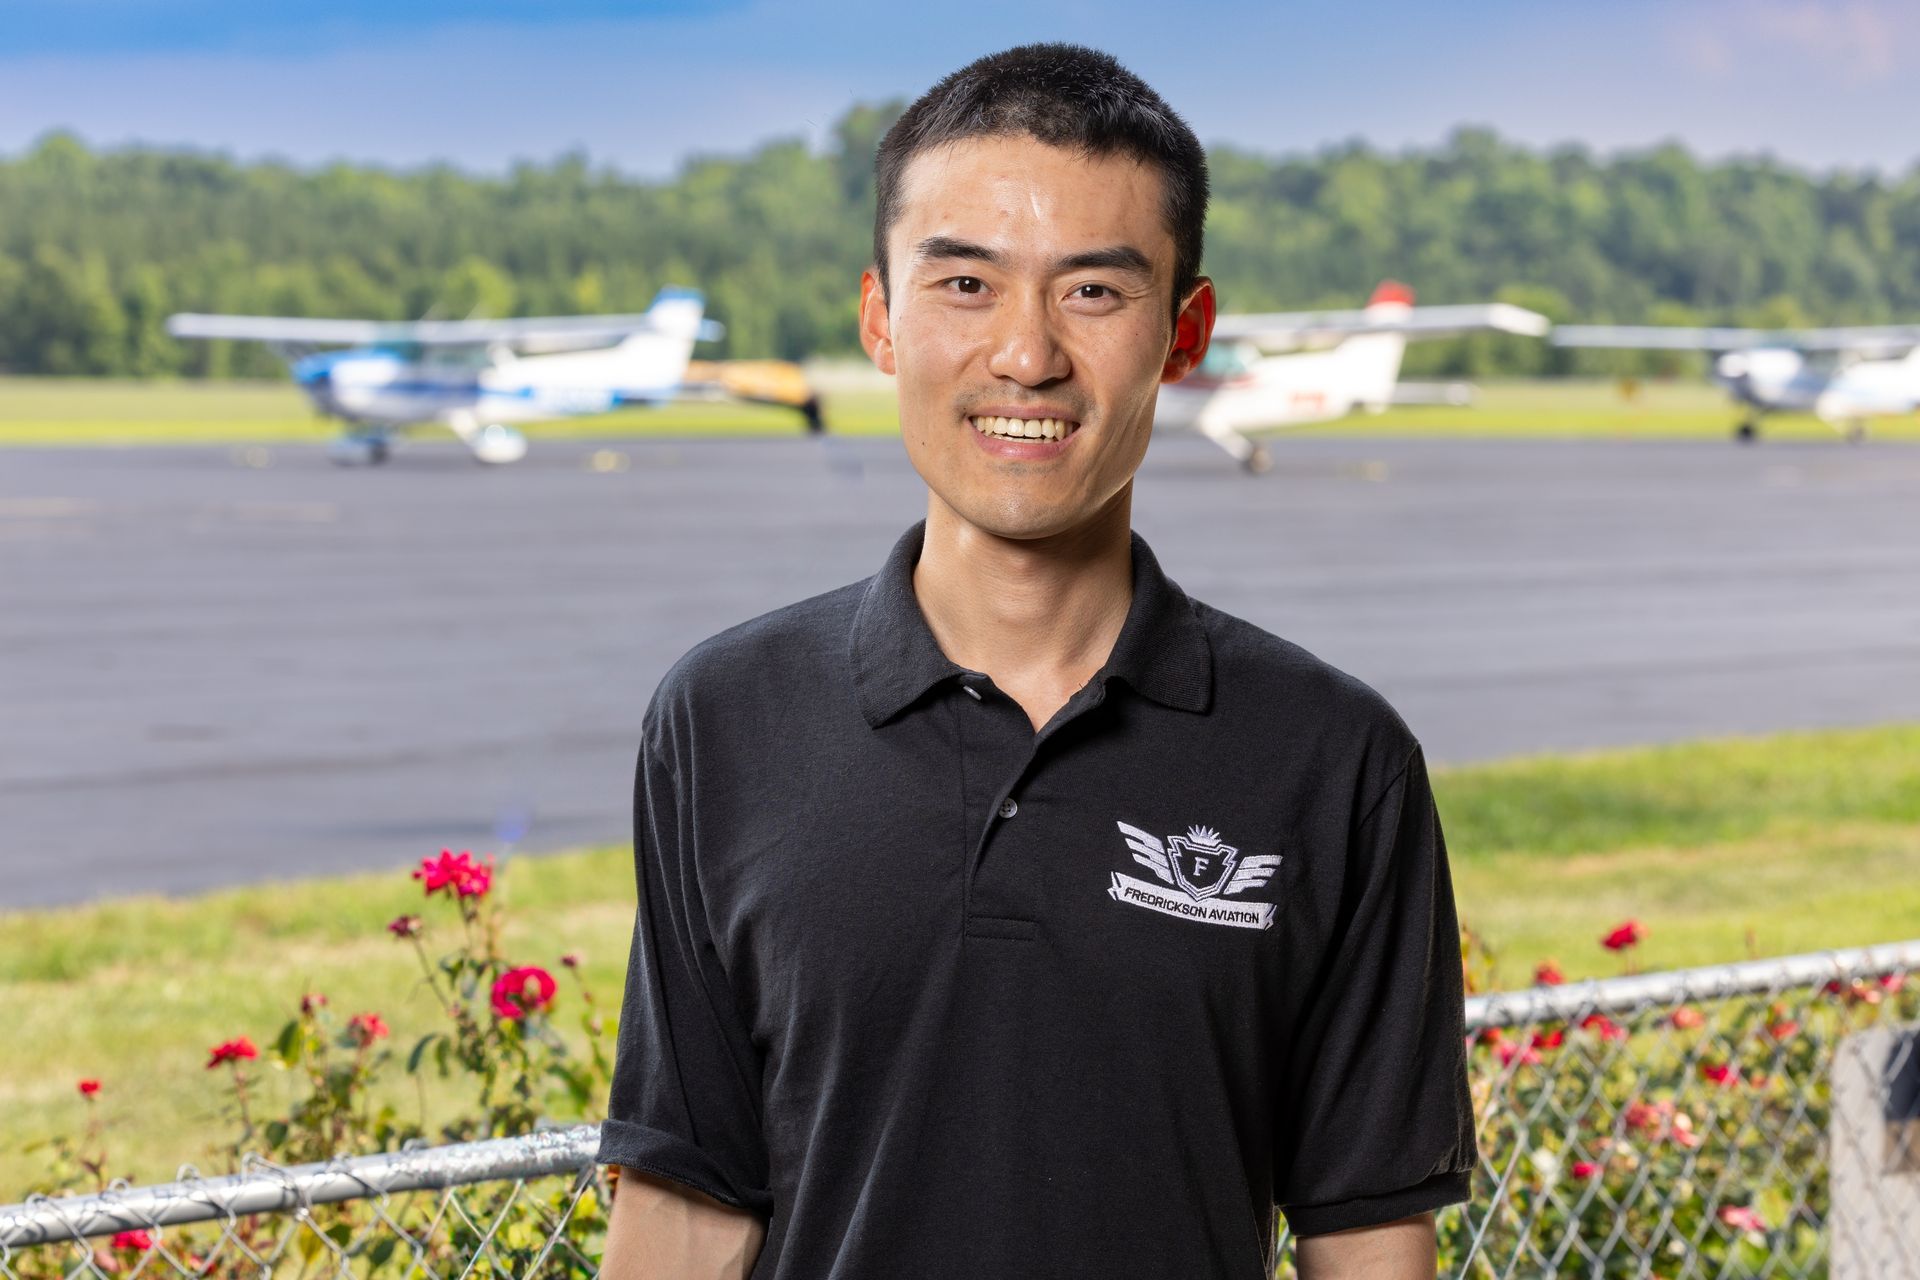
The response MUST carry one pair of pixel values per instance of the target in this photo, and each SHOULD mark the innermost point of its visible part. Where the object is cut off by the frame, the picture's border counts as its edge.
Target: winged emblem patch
(1198, 873)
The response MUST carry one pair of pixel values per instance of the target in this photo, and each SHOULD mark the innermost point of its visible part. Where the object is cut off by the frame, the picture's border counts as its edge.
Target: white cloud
(1854, 40)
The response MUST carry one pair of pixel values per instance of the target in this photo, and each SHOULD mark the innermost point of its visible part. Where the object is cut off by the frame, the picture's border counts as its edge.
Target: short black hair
(1065, 95)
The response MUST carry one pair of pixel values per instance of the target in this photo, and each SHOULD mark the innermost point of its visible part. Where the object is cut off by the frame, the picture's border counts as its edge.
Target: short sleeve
(1376, 1123)
(686, 1077)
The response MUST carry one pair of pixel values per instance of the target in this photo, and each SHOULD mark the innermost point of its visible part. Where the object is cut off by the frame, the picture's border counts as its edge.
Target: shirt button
(1008, 808)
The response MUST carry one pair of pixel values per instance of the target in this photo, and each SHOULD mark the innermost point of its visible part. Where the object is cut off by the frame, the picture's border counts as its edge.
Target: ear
(876, 330)
(1192, 331)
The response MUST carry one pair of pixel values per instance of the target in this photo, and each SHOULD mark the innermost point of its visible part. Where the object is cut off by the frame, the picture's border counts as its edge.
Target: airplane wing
(531, 334)
(1867, 338)
(1288, 330)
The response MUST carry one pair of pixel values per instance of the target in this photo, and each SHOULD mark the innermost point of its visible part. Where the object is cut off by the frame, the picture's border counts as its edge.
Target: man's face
(1029, 322)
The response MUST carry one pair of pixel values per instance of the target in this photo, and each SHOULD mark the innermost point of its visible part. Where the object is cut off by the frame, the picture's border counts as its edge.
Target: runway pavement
(215, 671)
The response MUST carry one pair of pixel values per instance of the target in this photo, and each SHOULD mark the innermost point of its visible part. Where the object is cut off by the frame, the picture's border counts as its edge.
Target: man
(1010, 914)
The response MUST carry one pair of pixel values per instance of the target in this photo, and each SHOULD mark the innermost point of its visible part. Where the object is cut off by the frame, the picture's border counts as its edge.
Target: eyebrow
(1120, 257)
(949, 247)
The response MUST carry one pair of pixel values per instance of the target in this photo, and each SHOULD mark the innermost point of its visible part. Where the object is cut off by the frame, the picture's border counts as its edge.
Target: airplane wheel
(1857, 433)
(1259, 462)
(1747, 432)
(496, 445)
(357, 451)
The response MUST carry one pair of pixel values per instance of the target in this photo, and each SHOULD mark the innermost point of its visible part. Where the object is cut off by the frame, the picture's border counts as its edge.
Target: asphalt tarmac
(224, 666)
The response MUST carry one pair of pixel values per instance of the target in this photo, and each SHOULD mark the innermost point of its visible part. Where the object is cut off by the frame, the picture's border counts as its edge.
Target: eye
(966, 284)
(1093, 292)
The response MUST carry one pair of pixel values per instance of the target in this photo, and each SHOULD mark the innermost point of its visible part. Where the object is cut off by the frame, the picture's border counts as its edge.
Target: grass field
(1723, 849)
(50, 411)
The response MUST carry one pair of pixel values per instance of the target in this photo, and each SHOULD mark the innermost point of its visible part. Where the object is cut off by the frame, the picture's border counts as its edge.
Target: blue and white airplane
(476, 377)
(1841, 376)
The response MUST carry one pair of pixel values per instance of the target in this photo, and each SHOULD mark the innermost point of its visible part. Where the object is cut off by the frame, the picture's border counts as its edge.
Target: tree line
(97, 247)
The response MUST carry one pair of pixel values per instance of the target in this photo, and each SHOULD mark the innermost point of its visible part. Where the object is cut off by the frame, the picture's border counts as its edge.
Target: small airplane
(1267, 372)
(475, 377)
(1841, 376)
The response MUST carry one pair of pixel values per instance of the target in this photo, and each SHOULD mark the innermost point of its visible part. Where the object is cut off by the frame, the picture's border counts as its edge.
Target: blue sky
(640, 86)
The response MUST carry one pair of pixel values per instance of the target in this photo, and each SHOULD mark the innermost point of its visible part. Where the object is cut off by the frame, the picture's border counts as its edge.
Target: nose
(1026, 346)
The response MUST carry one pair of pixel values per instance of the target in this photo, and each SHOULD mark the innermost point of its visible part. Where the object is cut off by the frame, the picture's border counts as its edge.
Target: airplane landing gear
(1257, 462)
(498, 445)
(1748, 431)
(1857, 431)
(358, 451)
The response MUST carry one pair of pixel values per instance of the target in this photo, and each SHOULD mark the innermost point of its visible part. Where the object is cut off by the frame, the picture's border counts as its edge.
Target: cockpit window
(1224, 360)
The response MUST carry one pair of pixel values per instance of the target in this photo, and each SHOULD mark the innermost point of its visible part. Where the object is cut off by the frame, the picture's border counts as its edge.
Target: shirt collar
(1162, 651)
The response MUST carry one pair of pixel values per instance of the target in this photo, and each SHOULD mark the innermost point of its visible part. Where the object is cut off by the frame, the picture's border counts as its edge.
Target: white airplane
(1266, 372)
(1841, 376)
(475, 377)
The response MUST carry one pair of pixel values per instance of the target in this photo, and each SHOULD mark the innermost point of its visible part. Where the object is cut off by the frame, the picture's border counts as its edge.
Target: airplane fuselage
(1777, 380)
(1266, 392)
(382, 387)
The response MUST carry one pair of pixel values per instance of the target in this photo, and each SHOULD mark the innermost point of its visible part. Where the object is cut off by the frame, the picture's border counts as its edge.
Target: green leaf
(1773, 1205)
(286, 1046)
(419, 1051)
(381, 1251)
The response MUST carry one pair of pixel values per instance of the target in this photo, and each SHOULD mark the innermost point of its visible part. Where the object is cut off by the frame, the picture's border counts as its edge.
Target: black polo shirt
(939, 995)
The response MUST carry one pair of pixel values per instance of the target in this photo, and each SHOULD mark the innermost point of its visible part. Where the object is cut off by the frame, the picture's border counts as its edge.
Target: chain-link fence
(1758, 1119)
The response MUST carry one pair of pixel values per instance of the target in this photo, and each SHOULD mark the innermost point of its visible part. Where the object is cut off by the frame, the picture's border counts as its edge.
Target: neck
(1038, 615)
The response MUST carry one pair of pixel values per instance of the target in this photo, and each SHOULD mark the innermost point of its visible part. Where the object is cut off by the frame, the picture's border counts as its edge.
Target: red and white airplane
(1268, 372)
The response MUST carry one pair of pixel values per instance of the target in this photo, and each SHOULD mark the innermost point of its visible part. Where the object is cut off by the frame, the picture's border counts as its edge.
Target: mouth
(996, 427)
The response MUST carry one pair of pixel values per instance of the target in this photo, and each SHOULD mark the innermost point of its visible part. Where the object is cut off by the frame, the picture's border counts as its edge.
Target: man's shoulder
(790, 648)
(1263, 674)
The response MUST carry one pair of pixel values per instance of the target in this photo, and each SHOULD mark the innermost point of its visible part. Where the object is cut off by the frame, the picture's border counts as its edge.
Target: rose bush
(498, 1038)
(1675, 1140)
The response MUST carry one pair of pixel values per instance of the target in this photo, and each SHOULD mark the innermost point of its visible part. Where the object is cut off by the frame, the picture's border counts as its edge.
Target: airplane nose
(318, 384)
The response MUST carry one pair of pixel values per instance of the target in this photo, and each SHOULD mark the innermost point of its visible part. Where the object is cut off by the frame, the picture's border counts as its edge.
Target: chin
(1025, 517)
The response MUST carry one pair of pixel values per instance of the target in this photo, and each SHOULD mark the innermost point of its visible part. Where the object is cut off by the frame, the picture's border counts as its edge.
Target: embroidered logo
(1199, 872)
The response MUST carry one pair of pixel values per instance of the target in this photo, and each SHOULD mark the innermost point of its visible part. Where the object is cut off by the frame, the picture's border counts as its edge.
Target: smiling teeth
(1024, 428)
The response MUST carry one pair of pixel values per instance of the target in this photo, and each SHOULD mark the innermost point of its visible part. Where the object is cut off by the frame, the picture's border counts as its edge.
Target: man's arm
(661, 1230)
(1403, 1250)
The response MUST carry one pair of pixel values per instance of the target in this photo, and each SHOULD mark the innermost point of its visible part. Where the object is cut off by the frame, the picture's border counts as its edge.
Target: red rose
(404, 926)
(232, 1051)
(89, 1087)
(1686, 1017)
(456, 872)
(132, 1240)
(311, 1001)
(512, 1000)
(477, 881)
(1603, 1026)
(1547, 974)
(1742, 1218)
(1721, 1073)
(1585, 1169)
(365, 1028)
(1624, 936)
(1512, 1050)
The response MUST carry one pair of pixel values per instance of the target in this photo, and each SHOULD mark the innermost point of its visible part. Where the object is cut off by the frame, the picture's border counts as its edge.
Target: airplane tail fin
(677, 313)
(1372, 360)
